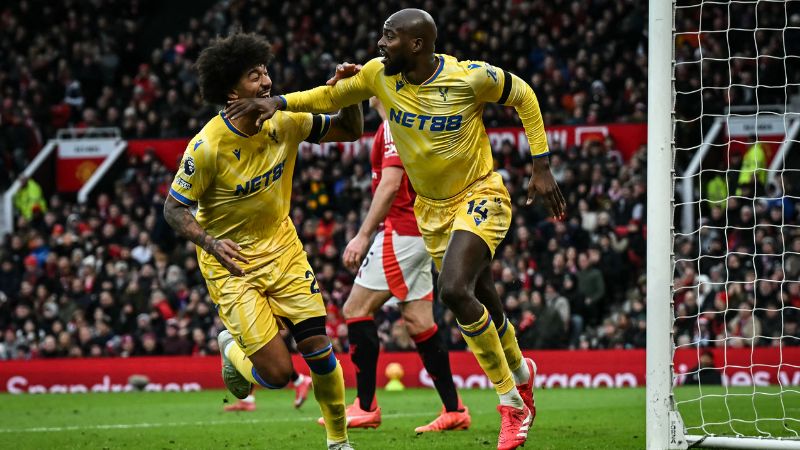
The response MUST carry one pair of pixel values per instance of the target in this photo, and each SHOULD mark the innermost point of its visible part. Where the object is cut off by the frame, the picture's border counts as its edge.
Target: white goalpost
(723, 247)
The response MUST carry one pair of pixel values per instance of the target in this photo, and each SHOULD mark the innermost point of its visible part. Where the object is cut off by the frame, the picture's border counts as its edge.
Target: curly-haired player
(239, 177)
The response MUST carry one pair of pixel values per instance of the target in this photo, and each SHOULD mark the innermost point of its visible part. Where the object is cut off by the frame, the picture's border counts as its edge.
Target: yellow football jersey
(437, 125)
(242, 185)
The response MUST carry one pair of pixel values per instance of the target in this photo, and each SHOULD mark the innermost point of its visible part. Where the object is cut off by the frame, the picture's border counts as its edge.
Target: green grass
(568, 418)
(740, 411)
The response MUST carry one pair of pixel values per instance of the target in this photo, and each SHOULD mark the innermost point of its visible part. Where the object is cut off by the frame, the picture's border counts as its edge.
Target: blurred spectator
(83, 64)
(705, 373)
(29, 199)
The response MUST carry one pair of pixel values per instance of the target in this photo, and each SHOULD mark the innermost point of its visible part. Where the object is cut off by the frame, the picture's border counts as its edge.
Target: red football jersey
(384, 154)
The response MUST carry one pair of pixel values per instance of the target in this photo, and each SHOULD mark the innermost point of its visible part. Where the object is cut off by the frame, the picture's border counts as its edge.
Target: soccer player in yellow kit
(435, 106)
(239, 177)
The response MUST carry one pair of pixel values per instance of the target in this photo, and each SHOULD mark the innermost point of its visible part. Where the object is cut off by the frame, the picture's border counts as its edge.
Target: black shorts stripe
(507, 80)
(316, 130)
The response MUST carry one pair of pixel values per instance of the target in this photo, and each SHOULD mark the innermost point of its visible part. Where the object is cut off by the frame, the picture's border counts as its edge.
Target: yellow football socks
(483, 340)
(508, 339)
(329, 392)
(240, 361)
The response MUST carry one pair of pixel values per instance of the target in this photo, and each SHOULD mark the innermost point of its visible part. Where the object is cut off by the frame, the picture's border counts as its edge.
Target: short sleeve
(196, 171)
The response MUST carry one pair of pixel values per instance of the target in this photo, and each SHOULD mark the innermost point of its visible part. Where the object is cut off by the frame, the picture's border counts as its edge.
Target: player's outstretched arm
(183, 222)
(348, 86)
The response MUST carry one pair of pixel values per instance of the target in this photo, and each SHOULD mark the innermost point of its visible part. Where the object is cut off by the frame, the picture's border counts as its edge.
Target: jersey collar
(232, 127)
(429, 80)
(436, 73)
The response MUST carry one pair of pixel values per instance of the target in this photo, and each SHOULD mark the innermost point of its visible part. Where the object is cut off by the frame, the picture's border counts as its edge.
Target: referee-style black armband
(319, 128)
(507, 80)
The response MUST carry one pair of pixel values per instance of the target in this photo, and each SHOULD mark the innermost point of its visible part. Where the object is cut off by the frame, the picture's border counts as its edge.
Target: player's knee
(417, 323)
(452, 294)
(320, 360)
(313, 343)
(353, 308)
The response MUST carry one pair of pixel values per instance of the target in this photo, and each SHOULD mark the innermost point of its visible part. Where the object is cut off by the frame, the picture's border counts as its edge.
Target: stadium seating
(109, 278)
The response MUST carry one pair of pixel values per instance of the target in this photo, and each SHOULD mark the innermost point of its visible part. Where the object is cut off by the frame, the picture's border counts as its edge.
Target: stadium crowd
(737, 274)
(110, 278)
(84, 64)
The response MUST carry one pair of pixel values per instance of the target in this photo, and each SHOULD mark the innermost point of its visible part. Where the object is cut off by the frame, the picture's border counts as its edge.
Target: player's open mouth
(264, 94)
(385, 56)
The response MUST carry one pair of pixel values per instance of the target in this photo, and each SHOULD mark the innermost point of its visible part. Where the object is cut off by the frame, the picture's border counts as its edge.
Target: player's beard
(393, 66)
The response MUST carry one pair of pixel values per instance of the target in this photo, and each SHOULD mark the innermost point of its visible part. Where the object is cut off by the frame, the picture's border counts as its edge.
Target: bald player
(435, 105)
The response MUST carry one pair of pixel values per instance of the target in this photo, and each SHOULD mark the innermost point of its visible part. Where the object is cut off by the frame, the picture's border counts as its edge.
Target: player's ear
(416, 45)
(233, 95)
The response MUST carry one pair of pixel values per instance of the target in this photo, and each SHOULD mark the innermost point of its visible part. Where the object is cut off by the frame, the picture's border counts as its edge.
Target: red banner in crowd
(78, 159)
(628, 138)
(600, 368)
(72, 174)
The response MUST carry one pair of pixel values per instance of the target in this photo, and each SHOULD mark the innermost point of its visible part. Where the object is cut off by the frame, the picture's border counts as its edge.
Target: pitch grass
(568, 418)
(760, 411)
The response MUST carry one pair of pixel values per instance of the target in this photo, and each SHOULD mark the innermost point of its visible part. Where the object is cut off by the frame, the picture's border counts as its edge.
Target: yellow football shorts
(285, 287)
(483, 208)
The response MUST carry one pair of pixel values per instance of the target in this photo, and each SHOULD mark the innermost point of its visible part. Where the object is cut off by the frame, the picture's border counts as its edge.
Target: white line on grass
(126, 426)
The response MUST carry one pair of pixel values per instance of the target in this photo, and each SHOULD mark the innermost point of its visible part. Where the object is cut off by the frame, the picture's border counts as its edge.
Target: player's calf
(270, 377)
(270, 371)
(364, 343)
(364, 350)
(326, 374)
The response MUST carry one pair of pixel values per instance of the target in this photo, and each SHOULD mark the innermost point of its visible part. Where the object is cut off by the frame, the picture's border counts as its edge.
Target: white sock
(511, 398)
(250, 399)
(521, 374)
(227, 349)
(300, 379)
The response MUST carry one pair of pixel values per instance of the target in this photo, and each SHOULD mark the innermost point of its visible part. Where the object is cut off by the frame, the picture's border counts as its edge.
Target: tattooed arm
(183, 222)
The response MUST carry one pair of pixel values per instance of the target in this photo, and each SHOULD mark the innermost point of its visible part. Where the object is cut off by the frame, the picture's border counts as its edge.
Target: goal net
(735, 272)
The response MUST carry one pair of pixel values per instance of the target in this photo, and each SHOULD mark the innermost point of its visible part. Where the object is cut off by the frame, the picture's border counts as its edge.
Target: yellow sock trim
(483, 340)
(329, 392)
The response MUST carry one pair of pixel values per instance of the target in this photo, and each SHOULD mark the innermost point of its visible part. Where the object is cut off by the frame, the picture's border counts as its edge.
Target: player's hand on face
(226, 251)
(542, 183)
(355, 251)
(265, 107)
(344, 70)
